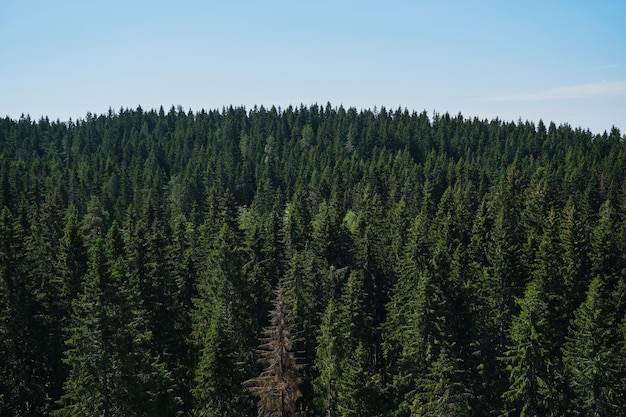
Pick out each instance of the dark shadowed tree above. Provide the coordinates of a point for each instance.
(111, 369)
(22, 384)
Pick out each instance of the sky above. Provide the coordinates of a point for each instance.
(560, 61)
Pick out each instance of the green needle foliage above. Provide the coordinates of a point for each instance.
(434, 264)
(112, 371)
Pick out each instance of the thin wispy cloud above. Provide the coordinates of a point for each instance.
(593, 90)
(610, 66)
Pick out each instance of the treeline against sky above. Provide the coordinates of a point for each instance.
(427, 265)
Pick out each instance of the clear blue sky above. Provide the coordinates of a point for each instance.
(561, 61)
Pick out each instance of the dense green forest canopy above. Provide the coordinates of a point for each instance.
(360, 263)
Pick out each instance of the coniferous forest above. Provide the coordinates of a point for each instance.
(311, 261)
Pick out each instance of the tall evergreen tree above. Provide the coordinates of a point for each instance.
(112, 369)
(263, 258)
(222, 280)
(574, 266)
(357, 394)
(359, 384)
(607, 261)
(330, 237)
(408, 319)
(298, 222)
(183, 266)
(504, 266)
(222, 283)
(528, 356)
(278, 386)
(41, 246)
(489, 380)
(443, 391)
(71, 260)
(306, 290)
(592, 363)
(217, 381)
(328, 353)
(22, 373)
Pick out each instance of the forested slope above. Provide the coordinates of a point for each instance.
(425, 265)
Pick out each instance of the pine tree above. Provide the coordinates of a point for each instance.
(278, 386)
(535, 212)
(347, 384)
(359, 381)
(607, 260)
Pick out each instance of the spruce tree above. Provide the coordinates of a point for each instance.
(278, 385)
(592, 362)
(22, 377)
(298, 222)
(71, 260)
(263, 258)
(529, 362)
(222, 282)
(217, 380)
(112, 369)
(328, 353)
(304, 285)
(574, 266)
(489, 380)
(47, 325)
(408, 325)
(359, 390)
(183, 265)
(442, 390)
(356, 395)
